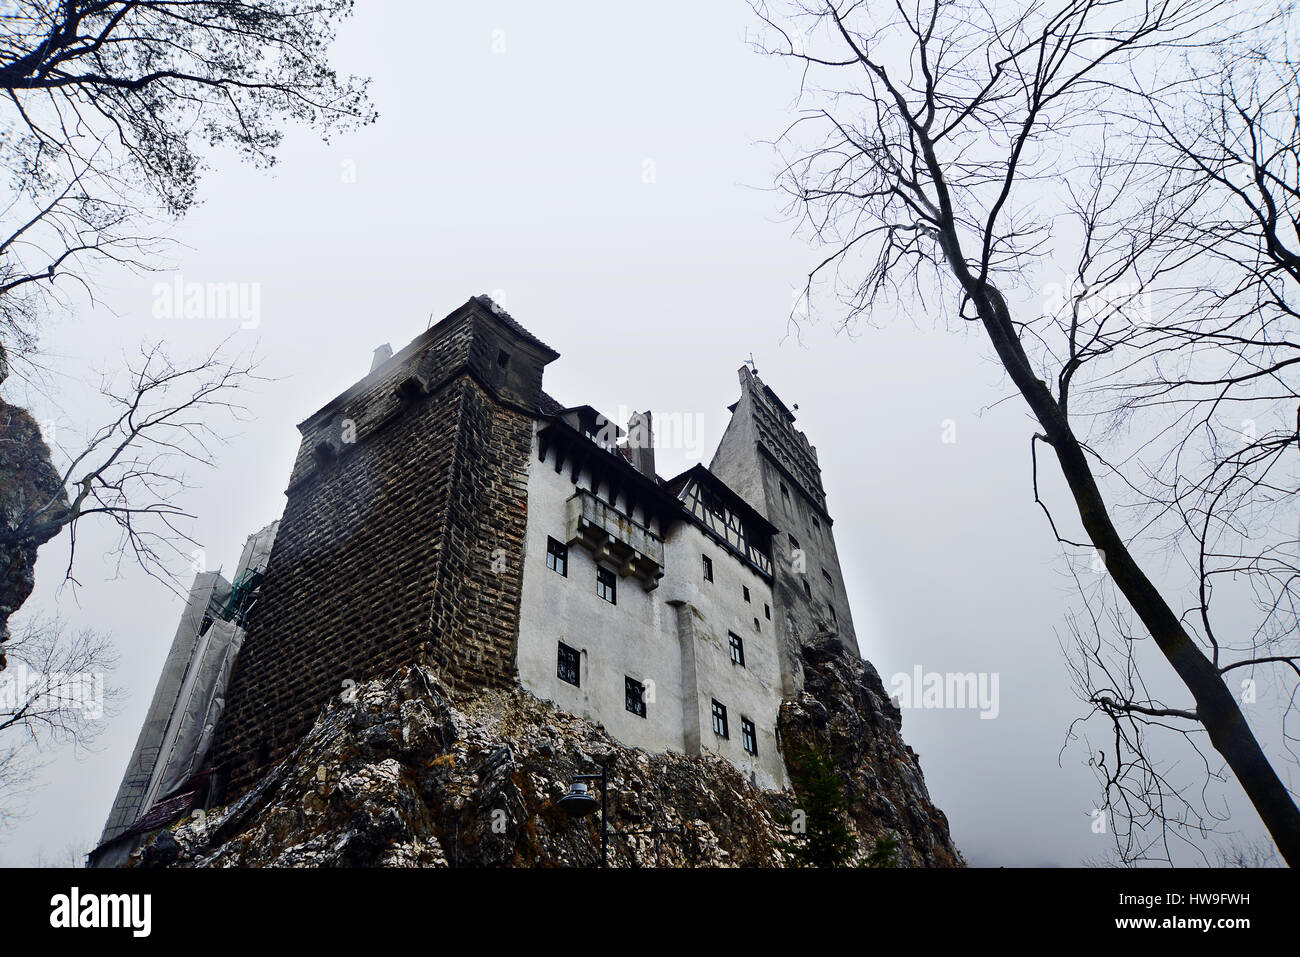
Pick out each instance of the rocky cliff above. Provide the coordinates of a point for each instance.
(401, 772)
(28, 483)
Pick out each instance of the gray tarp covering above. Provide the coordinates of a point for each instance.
(190, 694)
(257, 549)
(198, 708)
(133, 797)
(203, 693)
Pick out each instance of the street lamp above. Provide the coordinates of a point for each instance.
(580, 802)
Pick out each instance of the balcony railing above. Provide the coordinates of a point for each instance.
(614, 538)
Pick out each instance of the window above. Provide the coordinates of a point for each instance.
(746, 589)
(785, 498)
(827, 575)
(757, 626)
(503, 358)
(557, 557)
(635, 696)
(747, 736)
(767, 611)
(720, 719)
(834, 617)
(817, 526)
(737, 648)
(807, 589)
(798, 559)
(607, 585)
(567, 664)
(708, 568)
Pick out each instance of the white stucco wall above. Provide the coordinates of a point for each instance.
(643, 636)
(718, 607)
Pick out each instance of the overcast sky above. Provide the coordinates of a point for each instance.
(598, 168)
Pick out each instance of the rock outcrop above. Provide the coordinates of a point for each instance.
(29, 483)
(402, 772)
(845, 711)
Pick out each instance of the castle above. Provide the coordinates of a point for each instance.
(446, 511)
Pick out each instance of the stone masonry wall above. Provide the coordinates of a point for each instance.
(474, 617)
(406, 546)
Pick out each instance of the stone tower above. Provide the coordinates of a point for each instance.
(402, 534)
(770, 462)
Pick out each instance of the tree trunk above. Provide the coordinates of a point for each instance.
(1216, 708)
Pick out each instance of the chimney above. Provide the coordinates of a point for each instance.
(382, 355)
(641, 443)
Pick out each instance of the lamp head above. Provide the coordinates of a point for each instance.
(579, 802)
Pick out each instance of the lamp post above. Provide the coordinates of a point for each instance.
(579, 802)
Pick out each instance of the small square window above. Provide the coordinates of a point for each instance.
(634, 696)
(794, 543)
(708, 568)
(767, 611)
(747, 736)
(720, 719)
(568, 665)
(807, 589)
(737, 648)
(503, 358)
(557, 557)
(746, 589)
(827, 575)
(607, 585)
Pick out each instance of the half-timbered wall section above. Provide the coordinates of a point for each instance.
(726, 517)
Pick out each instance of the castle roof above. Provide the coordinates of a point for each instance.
(484, 305)
(510, 323)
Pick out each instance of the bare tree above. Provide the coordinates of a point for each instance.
(72, 855)
(55, 693)
(106, 105)
(107, 109)
(132, 470)
(1251, 854)
(971, 148)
